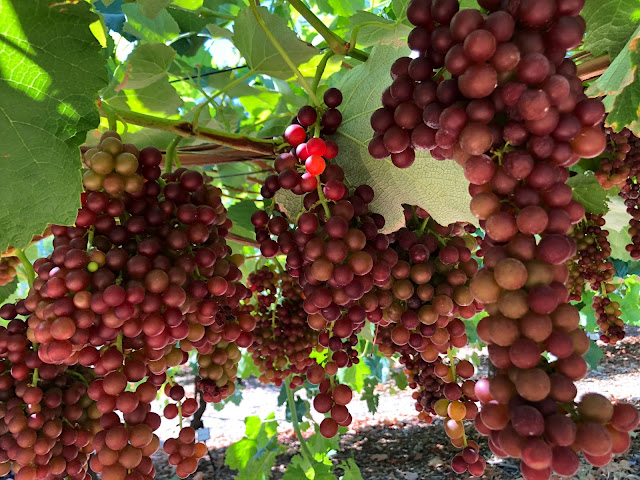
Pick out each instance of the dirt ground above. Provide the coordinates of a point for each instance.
(394, 445)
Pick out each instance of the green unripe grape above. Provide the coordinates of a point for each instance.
(126, 164)
(108, 134)
(92, 267)
(102, 163)
(88, 155)
(92, 181)
(111, 145)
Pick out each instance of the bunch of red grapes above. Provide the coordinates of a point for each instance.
(333, 247)
(592, 266)
(620, 160)
(282, 340)
(513, 113)
(142, 278)
(47, 420)
(430, 288)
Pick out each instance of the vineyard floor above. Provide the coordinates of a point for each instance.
(393, 445)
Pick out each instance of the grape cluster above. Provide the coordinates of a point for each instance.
(283, 339)
(592, 265)
(8, 267)
(298, 169)
(333, 399)
(514, 114)
(142, 278)
(630, 192)
(184, 452)
(115, 168)
(333, 247)
(620, 160)
(47, 419)
(430, 288)
(510, 62)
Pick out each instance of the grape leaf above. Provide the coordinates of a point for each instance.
(163, 28)
(400, 9)
(354, 376)
(254, 45)
(624, 108)
(188, 4)
(257, 436)
(147, 64)
(7, 290)
(619, 74)
(351, 470)
(290, 203)
(52, 70)
(618, 241)
(217, 31)
(438, 187)
(617, 223)
(629, 302)
(346, 8)
(151, 8)
(373, 29)
(609, 25)
(240, 214)
(589, 192)
(617, 217)
(369, 395)
(593, 355)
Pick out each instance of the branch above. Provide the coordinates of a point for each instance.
(186, 129)
(335, 42)
(247, 242)
(209, 154)
(593, 68)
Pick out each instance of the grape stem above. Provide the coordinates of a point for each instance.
(320, 70)
(296, 426)
(303, 81)
(187, 130)
(180, 414)
(423, 227)
(119, 341)
(337, 44)
(36, 377)
(28, 267)
(171, 156)
(322, 198)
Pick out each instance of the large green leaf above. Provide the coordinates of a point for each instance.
(163, 28)
(620, 73)
(438, 187)
(617, 224)
(9, 289)
(147, 64)
(609, 25)
(351, 470)
(257, 436)
(354, 376)
(589, 192)
(257, 49)
(372, 29)
(240, 214)
(51, 71)
(593, 355)
(151, 8)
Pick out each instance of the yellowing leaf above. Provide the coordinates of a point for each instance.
(438, 187)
